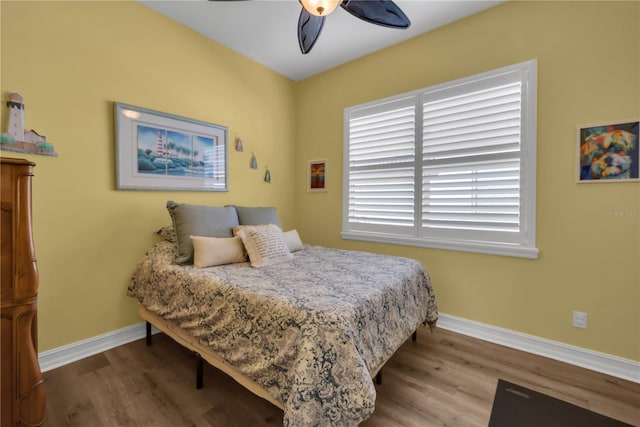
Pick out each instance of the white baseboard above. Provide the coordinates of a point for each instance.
(66, 354)
(599, 362)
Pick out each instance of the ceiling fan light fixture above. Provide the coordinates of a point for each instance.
(319, 7)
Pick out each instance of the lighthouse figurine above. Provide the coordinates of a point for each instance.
(18, 140)
(16, 116)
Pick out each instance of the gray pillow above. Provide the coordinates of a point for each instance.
(257, 216)
(196, 220)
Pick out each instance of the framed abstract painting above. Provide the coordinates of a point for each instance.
(608, 152)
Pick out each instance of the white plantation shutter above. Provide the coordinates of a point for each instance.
(451, 166)
(471, 161)
(381, 173)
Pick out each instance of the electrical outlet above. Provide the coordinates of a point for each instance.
(580, 319)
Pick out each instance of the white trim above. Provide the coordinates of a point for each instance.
(452, 245)
(69, 353)
(600, 362)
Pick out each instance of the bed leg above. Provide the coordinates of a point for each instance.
(148, 333)
(199, 365)
(379, 377)
(414, 337)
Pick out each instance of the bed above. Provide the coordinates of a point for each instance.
(307, 334)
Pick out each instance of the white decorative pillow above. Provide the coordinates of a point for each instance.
(212, 251)
(265, 245)
(292, 238)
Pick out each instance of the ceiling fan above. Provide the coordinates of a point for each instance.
(312, 16)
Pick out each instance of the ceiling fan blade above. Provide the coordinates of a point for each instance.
(309, 29)
(379, 12)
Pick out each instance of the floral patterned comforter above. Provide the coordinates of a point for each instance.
(311, 331)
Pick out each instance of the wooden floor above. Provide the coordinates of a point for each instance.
(443, 379)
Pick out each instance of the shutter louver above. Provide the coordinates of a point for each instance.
(471, 161)
(382, 196)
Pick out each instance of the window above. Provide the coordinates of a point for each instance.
(450, 166)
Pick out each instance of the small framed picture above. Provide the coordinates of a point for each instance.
(317, 175)
(608, 152)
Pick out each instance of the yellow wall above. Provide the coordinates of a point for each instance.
(588, 72)
(71, 61)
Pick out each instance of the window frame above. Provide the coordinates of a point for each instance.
(526, 247)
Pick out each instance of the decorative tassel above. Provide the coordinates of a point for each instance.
(239, 146)
(267, 176)
(254, 162)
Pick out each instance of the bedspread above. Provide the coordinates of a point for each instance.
(310, 331)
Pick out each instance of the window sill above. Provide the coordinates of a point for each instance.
(462, 246)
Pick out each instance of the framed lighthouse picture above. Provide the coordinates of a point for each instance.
(160, 151)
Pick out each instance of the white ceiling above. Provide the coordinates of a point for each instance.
(266, 30)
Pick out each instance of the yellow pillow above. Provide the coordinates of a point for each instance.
(212, 251)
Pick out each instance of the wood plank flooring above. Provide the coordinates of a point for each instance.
(443, 379)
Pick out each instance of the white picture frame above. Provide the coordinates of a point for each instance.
(317, 175)
(160, 151)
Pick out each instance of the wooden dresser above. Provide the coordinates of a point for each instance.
(22, 400)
